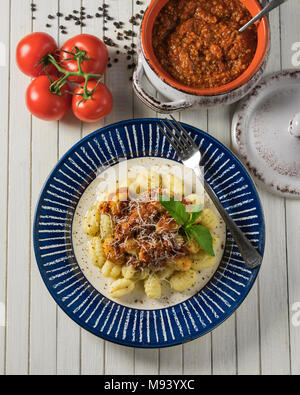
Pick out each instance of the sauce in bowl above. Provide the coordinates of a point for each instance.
(197, 41)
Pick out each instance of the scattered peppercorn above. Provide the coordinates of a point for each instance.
(80, 15)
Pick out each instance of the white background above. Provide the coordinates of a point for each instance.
(39, 338)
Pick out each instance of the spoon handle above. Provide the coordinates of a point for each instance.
(273, 4)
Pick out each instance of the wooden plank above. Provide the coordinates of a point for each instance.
(247, 333)
(197, 356)
(4, 136)
(290, 32)
(273, 277)
(293, 253)
(248, 324)
(44, 157)
(117, 79)
(223, 352)
(273, 291)
(92, 347)
(68, 332)
(146, 361)
(170, 360)
(224, 348)
(19, 230)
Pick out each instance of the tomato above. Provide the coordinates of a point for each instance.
(94, 49)
(44, 104)
(31, 50)
(95, 108)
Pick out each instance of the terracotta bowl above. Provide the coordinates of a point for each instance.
(183, 96)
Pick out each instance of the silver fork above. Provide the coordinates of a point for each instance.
(190, 156)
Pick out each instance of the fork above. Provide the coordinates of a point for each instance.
(190, 156)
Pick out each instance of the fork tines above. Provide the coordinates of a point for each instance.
(177, 136)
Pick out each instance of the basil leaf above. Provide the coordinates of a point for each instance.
(193, 217)
(203, 237)
(175, 208)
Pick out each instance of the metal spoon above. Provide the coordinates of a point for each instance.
(273, 4)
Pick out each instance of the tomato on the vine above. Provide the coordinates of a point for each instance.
(94, 55)
(45, 104)
(94, 108)
(31, 50)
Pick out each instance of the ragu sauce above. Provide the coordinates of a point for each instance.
(197, 41)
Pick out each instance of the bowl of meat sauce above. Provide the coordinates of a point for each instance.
(193, 53)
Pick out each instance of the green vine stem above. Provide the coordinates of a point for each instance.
(80, 56)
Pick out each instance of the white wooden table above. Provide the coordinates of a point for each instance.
(262, 337)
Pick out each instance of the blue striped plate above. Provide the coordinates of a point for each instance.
(104, 317)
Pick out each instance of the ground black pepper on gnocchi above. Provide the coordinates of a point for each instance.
(132, 238)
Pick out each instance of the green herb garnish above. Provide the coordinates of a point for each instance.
(187, 221)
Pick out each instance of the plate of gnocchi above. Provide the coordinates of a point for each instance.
(131, 247)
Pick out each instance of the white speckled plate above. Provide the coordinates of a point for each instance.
(261, 136)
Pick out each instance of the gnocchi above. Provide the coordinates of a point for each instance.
(138, 244)
(91, 223)
(208, 218)
(153, 287)
(121, 287)
(181, 281)
(202, 261)
(96, 252)
(105, 226)
(110, 269)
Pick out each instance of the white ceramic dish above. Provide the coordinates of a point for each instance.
(261, 133)
(179, 97)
